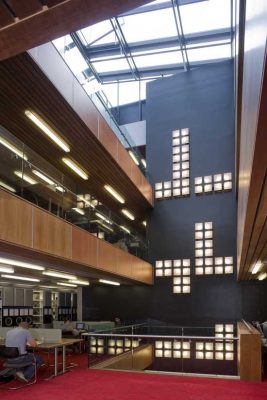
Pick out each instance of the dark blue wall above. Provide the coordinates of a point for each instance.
(203, 101)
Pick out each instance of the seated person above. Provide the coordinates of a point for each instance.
(20, 337)
(67, 328)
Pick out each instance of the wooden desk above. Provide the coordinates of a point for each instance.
(63, 343)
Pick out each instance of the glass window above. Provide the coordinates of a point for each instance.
(111, 65)
(149, 25)
(209, 53)
(97, 33)
(205, 16)
(167, 58)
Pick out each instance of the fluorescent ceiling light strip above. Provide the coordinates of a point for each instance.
(60, 189)
(66, 284)
(72, 165)
(80, 282)
(262, 276)
(143, 161)
(125, 229)
(37, 120)
(115, 194)
(59, 275)
(109, 282)
(12, 148)
(43, 177)
(21, 264)
(25, 177)
(128, 214)
(78, 210)
(256, 267)
(105, 226)
(7, 270)
(134, 157)
(20, 278)
(6, 186)
(104, 218)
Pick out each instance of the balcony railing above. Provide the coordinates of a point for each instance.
(192, 350)
(24, 173)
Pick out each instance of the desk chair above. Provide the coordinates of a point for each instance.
(12, 357)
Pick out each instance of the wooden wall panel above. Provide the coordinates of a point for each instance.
(124, 160)
(136, 176)
(253, 139)
(147, 273)
(124, 263)
(106, 257)
(51, 235)
(24, 224)
(249, 353)
(15, 220)
(108, 138)
(147, 190)
(84, 247)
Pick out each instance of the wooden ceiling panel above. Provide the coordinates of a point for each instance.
(56, 19)
(24, 86)
(6, 17)
(23, 9)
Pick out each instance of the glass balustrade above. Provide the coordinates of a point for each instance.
(142, 347)
(24, 173)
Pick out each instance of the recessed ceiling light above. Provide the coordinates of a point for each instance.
(144, 223)
(78, 210)
(114, 193)
(128, 214)
(25, 177)
(66, 284)
(21, 264)
(256, 267)
(60, 189)
(72, 165)
(109, 282)
(7, 270)
(12, 148)
(134, 157)
(20, 278)
(43, 177)
(37, 120)
(59, 275)
(143, 161)
(262, 276)
(104, 218)
(8, 187)
(105, 226)
(125, 229)
(80, 282)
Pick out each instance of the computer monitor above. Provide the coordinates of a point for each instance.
(80, 325)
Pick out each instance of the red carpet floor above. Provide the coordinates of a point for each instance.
(85, 384)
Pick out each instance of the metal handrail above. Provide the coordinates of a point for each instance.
(247, 325)
(159, 336)
(122, 327)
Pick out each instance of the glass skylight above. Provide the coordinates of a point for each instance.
(147, 43)
(206, 16)
(151, 25)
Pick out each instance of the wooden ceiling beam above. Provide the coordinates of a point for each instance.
(56, 21)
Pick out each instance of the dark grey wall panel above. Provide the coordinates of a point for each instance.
(203, 101)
